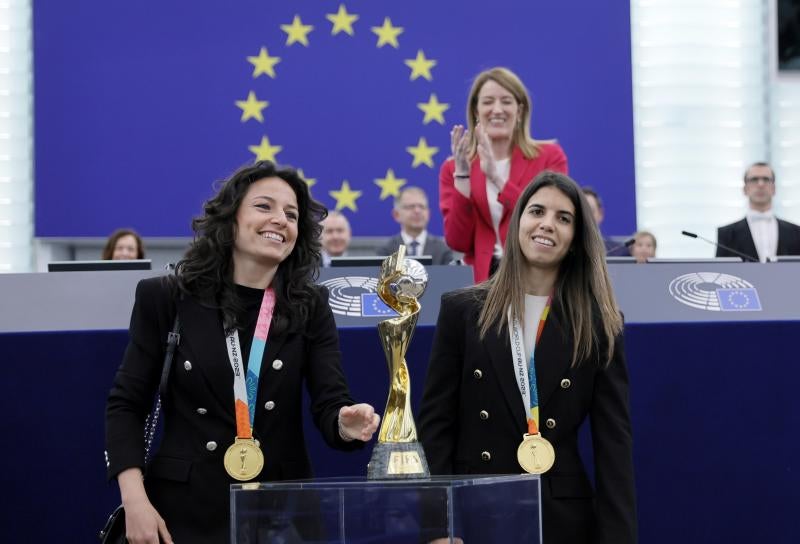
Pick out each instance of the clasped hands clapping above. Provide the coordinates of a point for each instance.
(459, 146)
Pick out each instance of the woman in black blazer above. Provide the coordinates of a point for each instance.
(245, 285)
(475, 410)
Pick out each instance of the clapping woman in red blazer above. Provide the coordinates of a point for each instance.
(493, 160)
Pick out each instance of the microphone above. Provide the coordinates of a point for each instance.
(626, 244)
(744, 256)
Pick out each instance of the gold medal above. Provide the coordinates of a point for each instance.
(244, 459)
(535, 454)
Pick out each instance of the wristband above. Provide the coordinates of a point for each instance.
(342, 434)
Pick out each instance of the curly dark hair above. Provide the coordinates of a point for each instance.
(206, 271)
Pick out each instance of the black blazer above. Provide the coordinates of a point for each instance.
(737, 236)
(467, 376)
(434, 246)
(186, 480)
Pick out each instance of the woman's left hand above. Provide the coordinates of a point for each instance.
(358, 422)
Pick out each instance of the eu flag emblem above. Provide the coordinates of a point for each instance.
(373, 306)
(739, 300)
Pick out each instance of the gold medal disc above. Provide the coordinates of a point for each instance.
(244, 459)
(535, 454)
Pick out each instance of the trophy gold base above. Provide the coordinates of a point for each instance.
(397, 461)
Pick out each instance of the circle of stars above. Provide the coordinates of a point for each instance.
(343, 23)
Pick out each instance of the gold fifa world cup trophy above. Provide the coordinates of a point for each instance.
(398, 454)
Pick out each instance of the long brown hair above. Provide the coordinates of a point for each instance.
(583, 288)
(522, 131)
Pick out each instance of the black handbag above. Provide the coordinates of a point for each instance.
(113, 532)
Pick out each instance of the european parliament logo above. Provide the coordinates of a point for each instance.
(715, 292)
(356, 296)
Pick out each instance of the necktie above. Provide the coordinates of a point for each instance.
(413, 247)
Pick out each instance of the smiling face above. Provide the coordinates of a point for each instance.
(125, 248)
(497, 111)
(266, 225)
(546, 228)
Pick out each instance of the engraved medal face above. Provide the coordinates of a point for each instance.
(536, 454)
(244, 459)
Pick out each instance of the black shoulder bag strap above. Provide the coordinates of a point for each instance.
(173, 339)
(114, 530)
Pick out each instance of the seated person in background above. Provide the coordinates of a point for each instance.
(760, 235)
(335, 237)
(644, 247)
(123, 244)
(613, 248)
(412, 212)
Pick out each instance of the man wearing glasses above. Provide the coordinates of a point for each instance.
(760, 235)
(412, 212)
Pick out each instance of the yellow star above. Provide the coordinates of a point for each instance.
(252, 107)
(297, 31)
(309, 181)
(263, 63)
(345, 197)
(265, 151)
(342, 21)
(387, 33)
(390, 185)
(422, 153)
(420, 66)
(433, 110)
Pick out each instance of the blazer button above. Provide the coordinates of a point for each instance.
(486, 456)
(269, 405)
(477, 374)
(277, 364)
(202, 411)
(211, 445)
(566, 383)
(550, 423)
(484, 415)
(187, 366)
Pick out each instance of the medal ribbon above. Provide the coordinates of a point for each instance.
(245, 389)
(527, 376)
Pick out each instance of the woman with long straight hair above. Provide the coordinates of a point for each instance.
(523, 358)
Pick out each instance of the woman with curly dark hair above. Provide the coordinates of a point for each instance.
(248, 275)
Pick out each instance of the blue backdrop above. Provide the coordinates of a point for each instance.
(137, 116)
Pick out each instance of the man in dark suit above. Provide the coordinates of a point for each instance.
(760, 235)
(412, 212)
(613, 247)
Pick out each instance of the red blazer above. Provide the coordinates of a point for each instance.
(468, 222)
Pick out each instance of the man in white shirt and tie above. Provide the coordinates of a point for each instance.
(412, 212)
(760, 235)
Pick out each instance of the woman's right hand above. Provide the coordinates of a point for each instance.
(459, 146)
(143, 524)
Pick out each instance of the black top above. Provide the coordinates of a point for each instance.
(251, 300)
